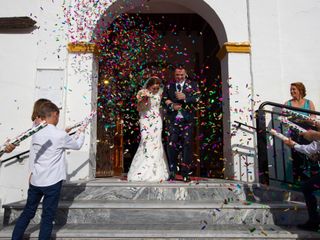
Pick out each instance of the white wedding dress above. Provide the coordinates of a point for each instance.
(150, 163)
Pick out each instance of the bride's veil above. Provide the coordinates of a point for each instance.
(149, 79)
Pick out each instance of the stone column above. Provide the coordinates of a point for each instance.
(81, 99)
(237, 87)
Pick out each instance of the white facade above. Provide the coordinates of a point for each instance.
(282, 34)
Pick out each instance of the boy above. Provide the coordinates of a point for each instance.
(48, 170)
(313, 184)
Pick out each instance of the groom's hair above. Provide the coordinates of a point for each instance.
(152, 81)
(181, 67)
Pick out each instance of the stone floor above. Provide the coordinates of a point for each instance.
(112, 208)
(182, 231)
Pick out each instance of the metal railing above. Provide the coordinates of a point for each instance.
(15, 157)
(274, 158)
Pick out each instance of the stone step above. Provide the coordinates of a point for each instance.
(202, 230)
(211, 189)
(168, 212)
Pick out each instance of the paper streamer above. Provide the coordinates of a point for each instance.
(88, 119)
(278, 135)
(301, 116)
(23, 136)
(85, 122)
(291, 125)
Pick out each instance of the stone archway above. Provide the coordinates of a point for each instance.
(136, 45)
(208, 148)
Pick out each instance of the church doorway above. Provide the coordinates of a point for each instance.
(136, 46)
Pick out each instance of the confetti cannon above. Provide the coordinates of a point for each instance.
(298, 115)
(21, 137)
(291, 125)
(83, 123)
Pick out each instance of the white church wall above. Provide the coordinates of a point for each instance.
(300, 49)
(18, 56)
(28, 57)
(17, 74)
(265, 46)
(233, 16)
(284, 48)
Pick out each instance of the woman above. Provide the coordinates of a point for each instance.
(149, 163)
(300, 162)
(298, 92)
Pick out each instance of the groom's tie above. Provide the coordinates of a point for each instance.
(179, 87)
(179, 115)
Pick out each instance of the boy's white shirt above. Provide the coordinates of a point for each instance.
(47, 155)
(308, 149)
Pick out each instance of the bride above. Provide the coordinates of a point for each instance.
(149, 163)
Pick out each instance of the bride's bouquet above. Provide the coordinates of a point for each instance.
(143, 94)
(143, 97)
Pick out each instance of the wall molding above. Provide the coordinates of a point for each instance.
(234, 47)
(82, 47)
(228, 47)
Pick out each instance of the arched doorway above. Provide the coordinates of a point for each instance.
(170, 38)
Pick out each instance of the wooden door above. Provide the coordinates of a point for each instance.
(118, 148)
(109, 161)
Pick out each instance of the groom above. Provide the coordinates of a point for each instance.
(180, 99)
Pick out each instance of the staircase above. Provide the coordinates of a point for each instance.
(205, 209)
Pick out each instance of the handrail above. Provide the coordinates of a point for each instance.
(263, 160)
(262, 105)
(14, 157)
(22, 153)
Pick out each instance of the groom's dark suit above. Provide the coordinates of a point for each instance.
(180, 125)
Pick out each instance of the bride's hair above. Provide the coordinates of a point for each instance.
(152, 81)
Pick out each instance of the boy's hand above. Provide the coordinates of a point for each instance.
(82, 129)
(9, 147)
(290, 143)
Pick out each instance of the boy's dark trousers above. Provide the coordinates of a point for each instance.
(51, 195)
(308, 189)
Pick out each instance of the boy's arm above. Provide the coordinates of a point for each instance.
(309, 149)
(311, 135)
(31, 158)
(74, 143)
